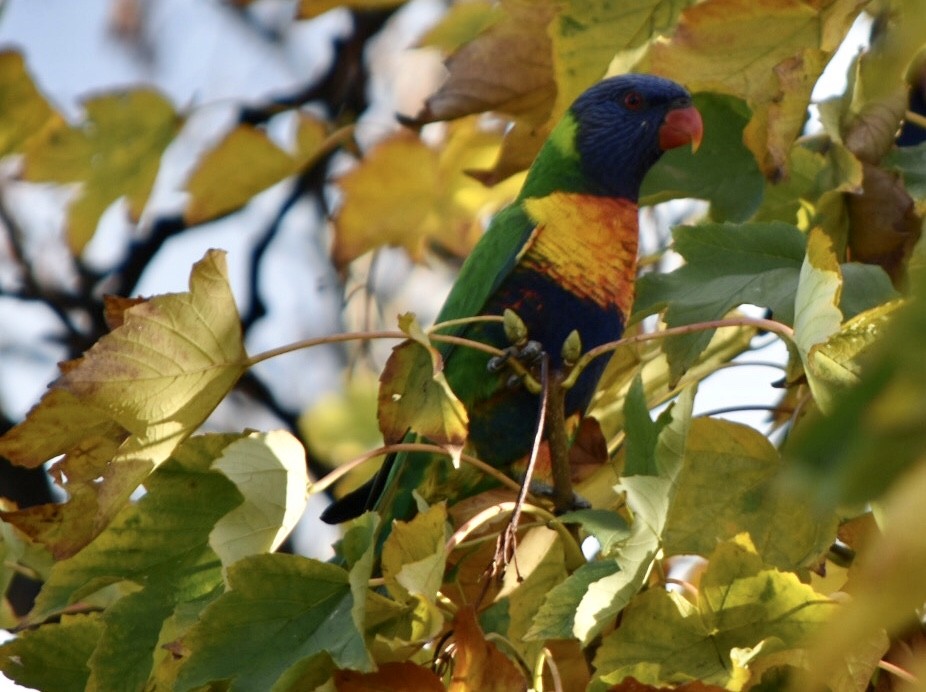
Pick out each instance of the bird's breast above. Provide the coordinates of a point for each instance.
(586, 244)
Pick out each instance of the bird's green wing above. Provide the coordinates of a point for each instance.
(491, 261)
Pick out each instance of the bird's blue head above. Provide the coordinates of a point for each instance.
(624, 124)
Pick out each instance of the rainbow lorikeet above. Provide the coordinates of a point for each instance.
(563, 257)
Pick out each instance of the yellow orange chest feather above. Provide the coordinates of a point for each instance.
(587, 244)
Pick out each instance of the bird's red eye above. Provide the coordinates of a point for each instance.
(633, 100)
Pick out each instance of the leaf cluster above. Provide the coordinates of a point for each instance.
(718, 553)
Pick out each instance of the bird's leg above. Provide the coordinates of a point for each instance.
(563, 496)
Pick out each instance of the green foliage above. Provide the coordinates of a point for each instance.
(159, 568)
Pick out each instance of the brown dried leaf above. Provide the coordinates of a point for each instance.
(883, 224)
(507, 68)
(397, 676)
(478, 664)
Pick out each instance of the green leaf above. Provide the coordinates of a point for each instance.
(643, 433)
(159, 550)
(115, 152)
(554, 619)
(742, 605)
(874, 431)
(53, 656)
(269, 469)
(161, 539)
(723, 171)
(769, 55)
(911, 162)
(279, 610)
(25, 110)
(729, 485)
(649, 498)
(727, 265)
(816, 166)
(462, 23)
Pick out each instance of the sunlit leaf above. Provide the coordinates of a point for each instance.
(727, 486)
(115, 152)
(874, 431)
(244, 163)
(269, 470)
(406, 194)
(555, 617)
(123, 407)
(816, 310)
(742, 604)
(414, 556)
(158, 550)
(25, 110)
(649, 485)
(145, 542)
(291, 608)
(541, 567)
(168, 366)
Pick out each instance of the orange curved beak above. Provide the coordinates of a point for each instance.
(681, 126)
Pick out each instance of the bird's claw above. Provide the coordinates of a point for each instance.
(529, 354)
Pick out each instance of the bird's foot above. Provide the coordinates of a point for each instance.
(527, 355)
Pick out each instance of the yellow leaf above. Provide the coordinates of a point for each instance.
(25, 110)
(269, 470)
(886, 582)
(462, 23)
(115, 152)
(244, 163)
(587, 34)
(405, 194)
(386, 199)
(122, 408)
(311, 136)
(166, 368)
(773, 53)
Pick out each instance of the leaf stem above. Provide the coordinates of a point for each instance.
(447, 324)
(916, 119)
(323, 484)
(782, 330)
(318, 341)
